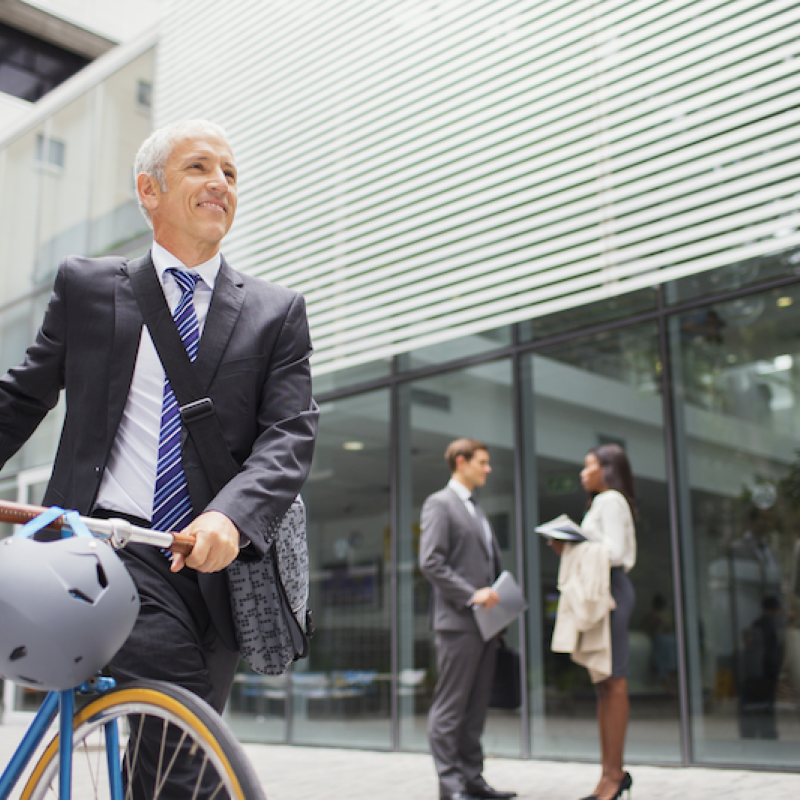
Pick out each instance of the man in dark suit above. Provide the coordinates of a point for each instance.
(460, 557)
(251, 351)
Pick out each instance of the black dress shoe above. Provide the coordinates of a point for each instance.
(457, 796)
(485, 792)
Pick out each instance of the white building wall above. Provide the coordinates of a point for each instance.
(118, 20)
(425, 169)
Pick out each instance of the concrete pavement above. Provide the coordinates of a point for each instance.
(310, 773)
(303, 773)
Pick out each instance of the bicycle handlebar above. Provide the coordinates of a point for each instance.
(116, 531)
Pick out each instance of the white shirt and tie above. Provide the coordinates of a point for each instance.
(466, 497)
(130, 474)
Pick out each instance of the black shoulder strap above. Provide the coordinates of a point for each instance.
(197, 411)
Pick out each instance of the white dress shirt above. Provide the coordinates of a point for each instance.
(466, 496)
(130, 475)
(609, 520)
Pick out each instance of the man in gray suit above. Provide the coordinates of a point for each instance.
(460, 557)
(124, 451)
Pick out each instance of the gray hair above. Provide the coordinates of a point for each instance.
(157, 147)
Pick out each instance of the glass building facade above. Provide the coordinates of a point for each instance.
(702, 387)
(446, 274)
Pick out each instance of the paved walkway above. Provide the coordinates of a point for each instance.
(302, 773)
(306, 773)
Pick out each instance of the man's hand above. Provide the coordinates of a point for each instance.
(216, 544)
(486, 597)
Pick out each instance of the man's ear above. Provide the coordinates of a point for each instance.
(149, 191)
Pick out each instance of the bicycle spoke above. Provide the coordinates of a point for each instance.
(171, 747)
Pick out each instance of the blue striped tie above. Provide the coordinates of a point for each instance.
(172, 506)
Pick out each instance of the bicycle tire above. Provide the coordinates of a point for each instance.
(172, 709)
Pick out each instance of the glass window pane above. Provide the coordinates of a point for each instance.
(476, 402)
(341, 692)
(595, 390)
(8, 491)
(353, 376)
(586, 315)
(19, 214)
(256, 709)
(737, 368)
(66, 189)
(121, 126)
(736, 276)
(455, 349)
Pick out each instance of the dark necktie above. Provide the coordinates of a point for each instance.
(479, 517)
(172, 506)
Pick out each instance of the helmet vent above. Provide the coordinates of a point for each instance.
(101, 575)
(18, 652)
(79, 595)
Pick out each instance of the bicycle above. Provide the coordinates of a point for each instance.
(98, 746)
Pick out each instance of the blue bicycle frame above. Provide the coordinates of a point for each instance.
(63, 704)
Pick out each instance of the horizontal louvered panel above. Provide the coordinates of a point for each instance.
(299, 178)
(425, 170)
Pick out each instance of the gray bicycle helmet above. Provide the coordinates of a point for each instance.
(66, 607)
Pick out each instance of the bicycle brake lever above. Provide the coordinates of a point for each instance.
(119, 533)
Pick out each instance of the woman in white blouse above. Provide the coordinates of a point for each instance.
(608, 481)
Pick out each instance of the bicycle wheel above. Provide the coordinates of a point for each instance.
(172, 745)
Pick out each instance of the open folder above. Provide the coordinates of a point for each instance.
(512, 603)
(562, 528)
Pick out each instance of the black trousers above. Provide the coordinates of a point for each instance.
(173, 640)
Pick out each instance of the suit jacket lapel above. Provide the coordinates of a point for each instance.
(474, 523)
(226, 304)
(479, 518)
(125, 345)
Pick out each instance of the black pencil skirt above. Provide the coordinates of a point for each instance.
(625, 597)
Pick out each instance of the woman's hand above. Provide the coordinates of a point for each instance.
(556, 545)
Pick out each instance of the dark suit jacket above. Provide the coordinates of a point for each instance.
(253, 361)
(454, 557)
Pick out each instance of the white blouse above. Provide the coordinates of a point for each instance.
(609, 520)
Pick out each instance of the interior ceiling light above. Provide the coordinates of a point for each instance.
(353, 445)
(784, 302)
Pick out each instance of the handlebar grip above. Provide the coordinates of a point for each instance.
(20, 513)
(182, 543)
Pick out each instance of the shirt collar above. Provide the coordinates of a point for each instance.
(163, 260)
(459, 488)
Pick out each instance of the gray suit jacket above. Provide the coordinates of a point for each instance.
(454, 557)
(253, 361)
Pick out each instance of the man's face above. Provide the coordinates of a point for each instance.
(198, 207)
(473, 472)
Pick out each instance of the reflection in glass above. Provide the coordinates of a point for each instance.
(753, 271)
(738, 374)
(597, 390)
(352, 376)
(455, 349)
(256, 710)
(341, 693)
(66, 188)
(602, 311)
(475, 402)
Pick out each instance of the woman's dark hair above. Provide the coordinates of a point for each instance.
(616, 473)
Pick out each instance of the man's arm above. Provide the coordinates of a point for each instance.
(434, 554)
(28, 392)
(280, 459)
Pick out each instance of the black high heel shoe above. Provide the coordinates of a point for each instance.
(624, 785)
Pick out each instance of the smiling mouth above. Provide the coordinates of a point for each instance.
(213, 205)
